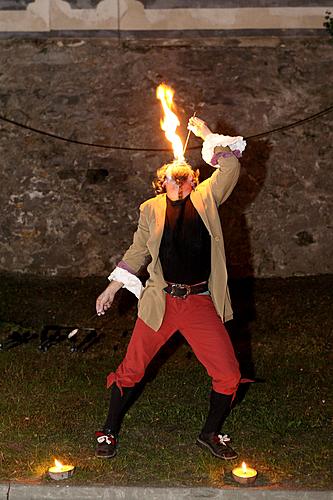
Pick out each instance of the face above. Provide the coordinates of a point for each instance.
(178, 182)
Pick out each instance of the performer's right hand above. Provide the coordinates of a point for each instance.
(104, 301)
(198, 127)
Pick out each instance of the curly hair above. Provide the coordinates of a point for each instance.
(182, 174)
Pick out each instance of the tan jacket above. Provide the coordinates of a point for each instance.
(206, 198)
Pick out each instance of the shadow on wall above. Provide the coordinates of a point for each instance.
(236, 232)
(237, 242)
(239, 252)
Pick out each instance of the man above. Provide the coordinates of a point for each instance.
(187, 287)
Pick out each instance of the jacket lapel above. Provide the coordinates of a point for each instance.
(200, 208)
(160, 211)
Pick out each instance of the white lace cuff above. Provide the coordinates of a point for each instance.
(236, 144)
(131, 282)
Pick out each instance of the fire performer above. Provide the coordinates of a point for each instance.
(187, 287)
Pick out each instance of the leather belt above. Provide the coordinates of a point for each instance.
(183, 291)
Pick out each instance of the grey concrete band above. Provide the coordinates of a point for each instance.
(62, 492)
(163, 34)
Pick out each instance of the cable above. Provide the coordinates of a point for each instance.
(127, 148)
(74, 141)
(294, 124)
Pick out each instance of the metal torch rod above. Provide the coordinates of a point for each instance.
(73, 332)
(188, 135)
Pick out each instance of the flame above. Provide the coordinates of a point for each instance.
(244, 467)
(170, 122)
(58, 464)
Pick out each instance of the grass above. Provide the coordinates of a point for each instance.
(52, 402)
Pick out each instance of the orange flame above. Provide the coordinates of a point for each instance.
(58, 464)
(244, 467)
(170, 122)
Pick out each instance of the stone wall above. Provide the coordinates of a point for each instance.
(70, 210)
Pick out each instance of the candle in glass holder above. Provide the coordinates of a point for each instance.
(244, 474)
(60, 471)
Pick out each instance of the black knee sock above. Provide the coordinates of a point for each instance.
(219, 409)
(118, 405)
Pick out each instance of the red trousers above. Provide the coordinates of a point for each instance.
(197, 320)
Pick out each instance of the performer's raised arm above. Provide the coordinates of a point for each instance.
(222, 152)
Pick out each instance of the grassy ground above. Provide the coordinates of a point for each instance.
(52, 402)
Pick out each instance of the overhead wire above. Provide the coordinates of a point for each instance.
(145, 149)
(292, 125)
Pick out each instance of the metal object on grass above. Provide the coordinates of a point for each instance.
(15, 339)
(90, 338)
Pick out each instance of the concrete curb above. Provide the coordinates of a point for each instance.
(57, 492)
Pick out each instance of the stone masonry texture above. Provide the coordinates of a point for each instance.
(71, 210)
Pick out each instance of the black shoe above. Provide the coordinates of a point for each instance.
(218, 445)
(106, 445)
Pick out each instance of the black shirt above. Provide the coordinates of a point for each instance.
(185, 245)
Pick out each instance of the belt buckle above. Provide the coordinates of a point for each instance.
(176, 286)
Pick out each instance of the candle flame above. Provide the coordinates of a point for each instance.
(244, 467)
(58, 464)
(170, 122)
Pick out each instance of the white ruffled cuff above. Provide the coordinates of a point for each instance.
(131, 282)
(236, 144)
